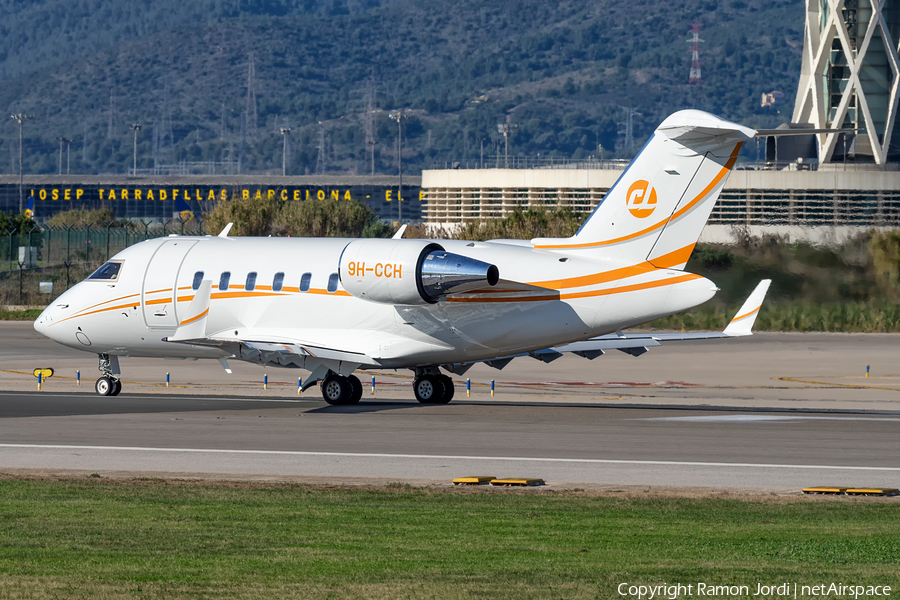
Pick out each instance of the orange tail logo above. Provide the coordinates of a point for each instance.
(640, 203)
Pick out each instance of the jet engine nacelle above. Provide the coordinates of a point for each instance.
(410, 271)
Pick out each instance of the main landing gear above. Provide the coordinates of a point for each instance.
(433, 387)
(108, 384)
(337, 389)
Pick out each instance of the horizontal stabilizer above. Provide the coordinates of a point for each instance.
(703, 132)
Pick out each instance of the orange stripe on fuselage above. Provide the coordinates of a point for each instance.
(590, 294)
(135, 305)
(217, 296)
(105, 302)
(674, 258)
(160, 301)
(596, 278)
(731, 160)
(665, 261)
(225, 295)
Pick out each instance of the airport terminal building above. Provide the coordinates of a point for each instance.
(827, 205)
(821, 187)
(152, 199)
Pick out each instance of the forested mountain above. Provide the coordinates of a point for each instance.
(87, 69)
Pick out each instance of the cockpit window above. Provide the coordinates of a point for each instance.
(108, 272)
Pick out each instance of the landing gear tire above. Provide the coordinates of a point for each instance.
(117, 387)
(105, 386)
(429, 389)
(337, 390)
(357, 386)
(449, 389)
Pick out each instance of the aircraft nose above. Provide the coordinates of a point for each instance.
(40, 324)
(43, 322)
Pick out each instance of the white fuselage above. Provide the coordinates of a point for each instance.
(544, 298)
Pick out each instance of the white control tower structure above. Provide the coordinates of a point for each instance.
(850, 79)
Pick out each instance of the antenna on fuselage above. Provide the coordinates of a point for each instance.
(226, 230)
(400, 232)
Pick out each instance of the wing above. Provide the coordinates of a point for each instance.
(637, 344)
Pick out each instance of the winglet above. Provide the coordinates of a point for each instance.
(742, 323)
(193, 326)
(226, 230)
(400, 232)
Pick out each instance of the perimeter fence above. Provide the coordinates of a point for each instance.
(64, 255)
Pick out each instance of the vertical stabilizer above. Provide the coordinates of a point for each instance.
(657, 209)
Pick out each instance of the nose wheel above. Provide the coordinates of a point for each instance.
(108, 384)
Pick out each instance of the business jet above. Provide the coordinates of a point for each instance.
(333, 306)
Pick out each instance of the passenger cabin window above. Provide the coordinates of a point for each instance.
(108, 272)
(304, 282)
(224, 280)
(332, 283)
(250, 285)
(198, 277)
(278, 282)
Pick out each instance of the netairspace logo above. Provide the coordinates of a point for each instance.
(786, 590)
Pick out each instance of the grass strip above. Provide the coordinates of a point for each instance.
(20, 315)
(155, 539)
(844, 317)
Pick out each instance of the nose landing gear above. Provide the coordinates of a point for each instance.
(108, 384)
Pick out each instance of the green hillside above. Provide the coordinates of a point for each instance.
(561, 72)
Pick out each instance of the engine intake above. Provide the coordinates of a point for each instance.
(409, 271)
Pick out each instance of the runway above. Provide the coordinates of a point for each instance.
(773, 411)
(402, 441)
(768, 370)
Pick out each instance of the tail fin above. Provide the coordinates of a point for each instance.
(660, 204)
(29, 208)
(184, 209)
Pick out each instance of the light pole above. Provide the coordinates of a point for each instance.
(21, 118)
(68, 141)
(62, 141)
(135, 127)
(505, 128)
(398, 116)
(285, 132)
